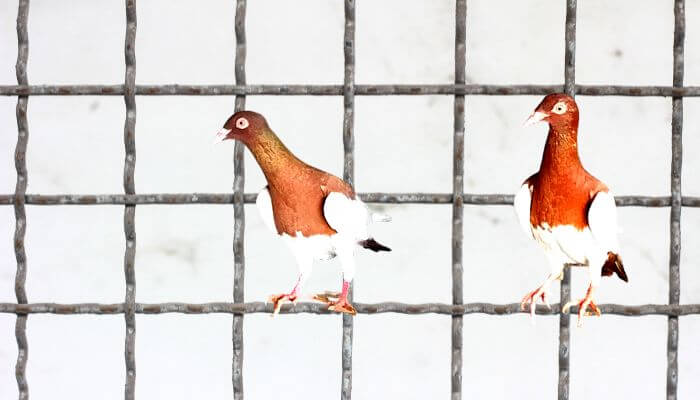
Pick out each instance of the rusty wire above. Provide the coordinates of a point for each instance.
(130, 209)
(249, 198)
(459, 89)
(565, 291)
(674, 278)
(338, 90)
(349, 177)
(457, 333)
(316, 308)
(19, 201)
(238, 210)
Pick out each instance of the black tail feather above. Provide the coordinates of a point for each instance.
(373, 245)
(614, 264)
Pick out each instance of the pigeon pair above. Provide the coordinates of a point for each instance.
(566, 210)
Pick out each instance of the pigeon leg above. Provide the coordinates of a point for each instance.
(587, 301)
(278, 300)
(583, 305)
(339, 301)
(541, 292)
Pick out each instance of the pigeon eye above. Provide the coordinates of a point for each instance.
(242, 123)
(559, 108)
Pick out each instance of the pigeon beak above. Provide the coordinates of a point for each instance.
(535, 118)
(221, 135)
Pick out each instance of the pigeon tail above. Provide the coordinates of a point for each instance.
(379, 217)
(614, 264)
(373, 245)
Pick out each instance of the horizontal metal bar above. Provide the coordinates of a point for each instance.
(338, 90)
(318, 308)
(378, 198)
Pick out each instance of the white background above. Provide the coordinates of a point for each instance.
(75, 253)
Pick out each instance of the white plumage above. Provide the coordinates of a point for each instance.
(349, 218)
(573, 217)
(567, 245)
(602, 220)
(522, 202)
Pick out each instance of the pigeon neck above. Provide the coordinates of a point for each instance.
(561, 150)
(274, 158)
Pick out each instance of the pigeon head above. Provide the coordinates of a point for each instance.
(558, 109)
(243, 126)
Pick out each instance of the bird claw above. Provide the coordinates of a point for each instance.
(584, 305)
(343, 306)
(545, 301)
(531, 300)
(567, 306)
(336, 302)
(279, 299)
(327, 297)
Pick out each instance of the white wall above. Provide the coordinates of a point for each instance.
(75, 254)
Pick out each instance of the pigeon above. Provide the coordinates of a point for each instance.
(566, 210)
(316, 214)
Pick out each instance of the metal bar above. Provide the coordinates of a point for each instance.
(348, 90)
(318, 308)
(565, 295)
(348, 176)
(249, 198)
(130, 209)
(338, 90)
(674, 278)
(457, 334)
(19, 199)
(239, 210)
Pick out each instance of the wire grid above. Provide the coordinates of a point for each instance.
(348, 90)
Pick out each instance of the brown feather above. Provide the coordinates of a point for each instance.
(562, 190)
(614, 264)
(297, 190)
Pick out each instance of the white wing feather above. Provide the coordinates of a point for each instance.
(348, 217)
(264, 205)
(521, 203)
(602, 221)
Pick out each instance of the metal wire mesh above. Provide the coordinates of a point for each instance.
(238, 308)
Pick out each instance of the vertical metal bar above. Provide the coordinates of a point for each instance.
(239, 210)
(674, 280)
(348, 175)
(458, 197)
(20, 191)
(570, 49)
(565, 295)
(129, 188)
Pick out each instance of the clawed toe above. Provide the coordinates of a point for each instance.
(336, 302)
(586, 308)
(343, 307)
(594, 309)
(279, 299)
(327, 297)
(530, 300)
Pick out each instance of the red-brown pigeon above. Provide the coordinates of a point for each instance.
(315, 213)
(566, 210)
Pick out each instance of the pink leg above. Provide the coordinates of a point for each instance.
(279, 299)
(583, 305)
(341, 304)
(541, 292)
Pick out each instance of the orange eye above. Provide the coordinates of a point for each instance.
(242, 123)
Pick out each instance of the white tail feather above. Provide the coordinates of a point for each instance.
(379, 217)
